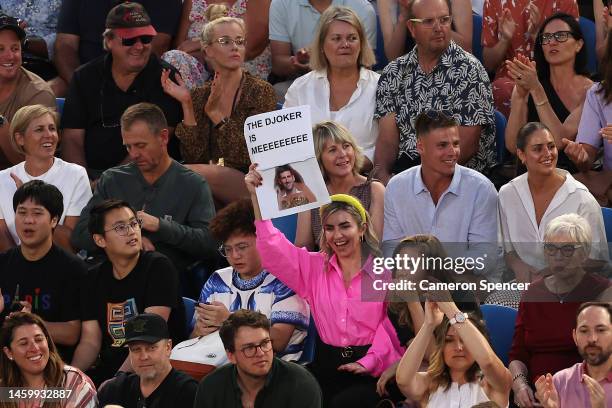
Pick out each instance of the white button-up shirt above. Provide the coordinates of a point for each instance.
(520, 230)
(357, 115)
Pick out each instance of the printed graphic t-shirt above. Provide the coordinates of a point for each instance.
(112, 301)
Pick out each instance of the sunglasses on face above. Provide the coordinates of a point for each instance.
(559, 36)
(144, 39)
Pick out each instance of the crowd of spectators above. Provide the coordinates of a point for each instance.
(134, 260)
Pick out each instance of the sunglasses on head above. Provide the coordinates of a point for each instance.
(144, 39)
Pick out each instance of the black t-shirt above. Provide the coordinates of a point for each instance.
(95, 103)
(110, 301)
(177, 390)
(86, 18)
(50, 284)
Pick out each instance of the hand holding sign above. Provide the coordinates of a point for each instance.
(288, 175)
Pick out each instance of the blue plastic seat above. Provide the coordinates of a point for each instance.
(588, 31)
(476, 34)
(607, 217)
(379, 52)
(189, 311)
(60, 105)
(500, 325)
(500, 138)
(287, 225)
(310, 343)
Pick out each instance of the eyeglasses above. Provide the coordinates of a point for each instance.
(251, 351)
(559, 36)
(239, 42)
(566, 250)
(239, 249)
(124, 229)
(144, 39)
(430, 22)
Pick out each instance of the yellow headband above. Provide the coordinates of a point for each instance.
(350, 200)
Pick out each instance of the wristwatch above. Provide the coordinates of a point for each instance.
(460, 317)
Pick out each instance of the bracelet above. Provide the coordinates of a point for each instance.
(544, 102)
(519, 375)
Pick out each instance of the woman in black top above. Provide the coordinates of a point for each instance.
(552, 89)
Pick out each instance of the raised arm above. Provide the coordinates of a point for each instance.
(394, 31)
(497, 36)
(303, 234)
(410, 381)
(495, 373)
(292, 265)
(257, 20)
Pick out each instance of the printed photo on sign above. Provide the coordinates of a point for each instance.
(281, 143)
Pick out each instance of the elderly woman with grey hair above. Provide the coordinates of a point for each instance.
(542, 337)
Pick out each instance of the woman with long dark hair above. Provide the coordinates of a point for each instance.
(29, 359)
(552, 88)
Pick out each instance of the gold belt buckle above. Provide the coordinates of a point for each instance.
(347, 352)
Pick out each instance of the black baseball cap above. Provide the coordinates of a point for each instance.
(11, 23)
(147, 327)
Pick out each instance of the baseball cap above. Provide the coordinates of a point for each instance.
(147, 327)
(129, 20)
(11, 23)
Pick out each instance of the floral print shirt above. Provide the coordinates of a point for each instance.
(458, 86)
(40, 15)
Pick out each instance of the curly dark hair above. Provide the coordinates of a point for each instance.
(238, 217)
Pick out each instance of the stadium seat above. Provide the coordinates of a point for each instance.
(60, 105)
(500, 325)
(500, 132)
(189, 310)
(379, 52)
(607, 217)
(476, 34)
(588, 31)
(287, 225)
(310, 343)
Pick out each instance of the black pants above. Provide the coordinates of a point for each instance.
(341, 389)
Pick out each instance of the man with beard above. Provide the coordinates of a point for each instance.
(290, 188)
(154, 382)
(587, 384)
(255, 378)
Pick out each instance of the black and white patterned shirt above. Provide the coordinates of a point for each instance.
(458, 85)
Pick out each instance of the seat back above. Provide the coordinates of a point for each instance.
(287, 225)
(588, 31)
(59, 102)
(476, 36)
(607, 217)
(310, 343)
(500, 325)
(500, 136)
(189, 311)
